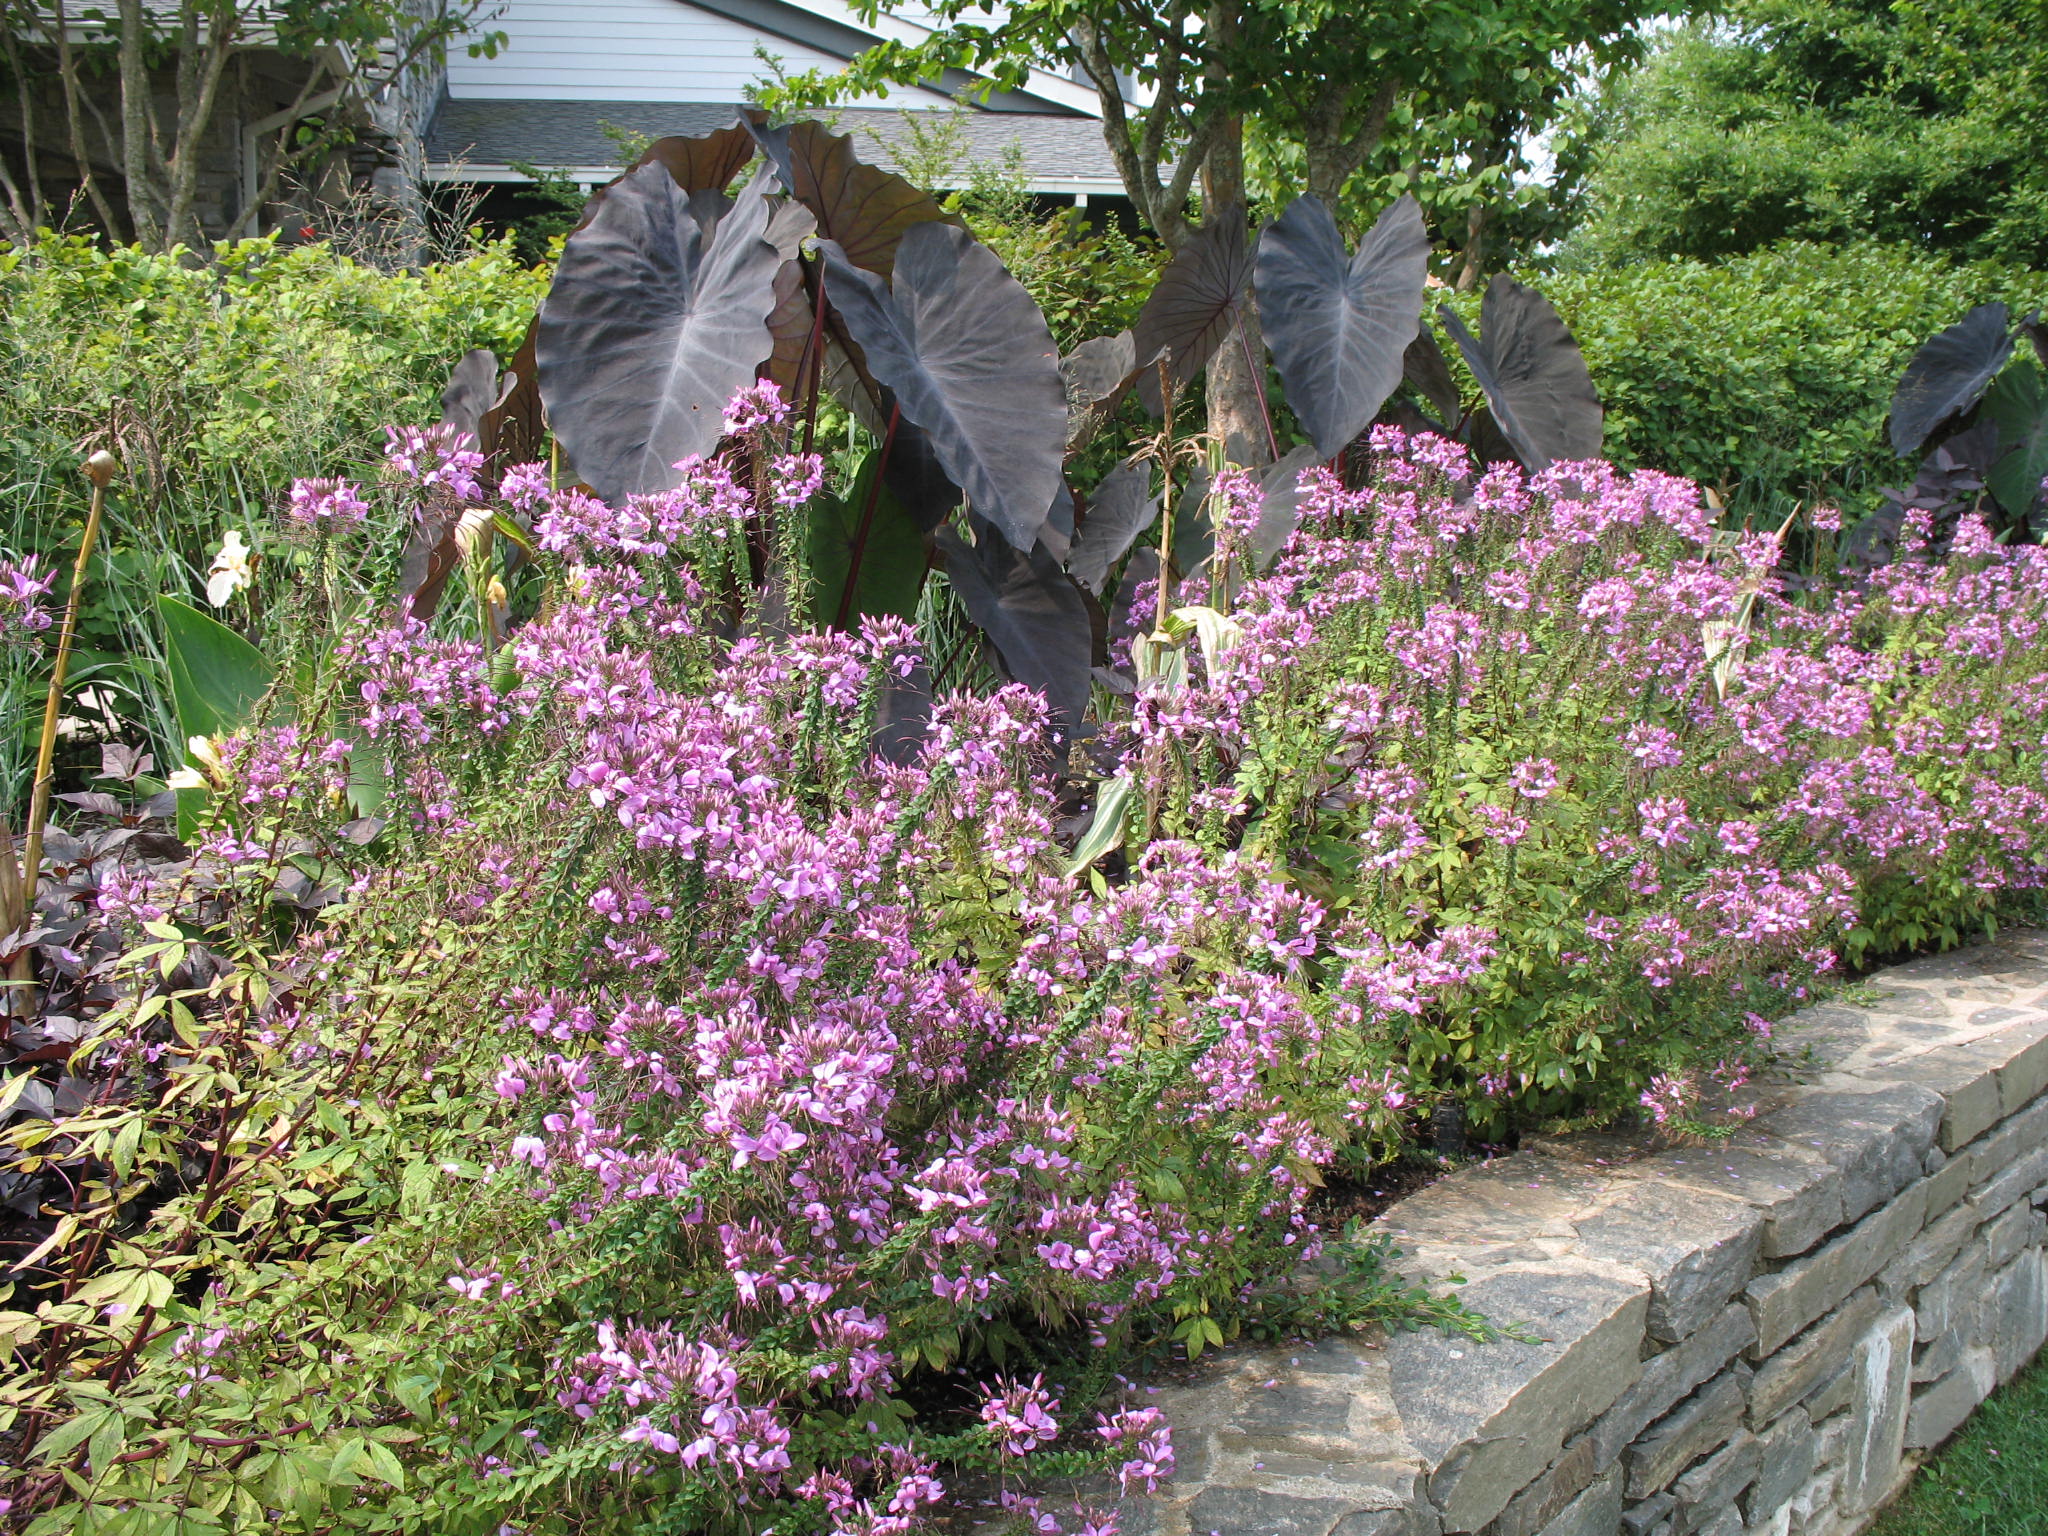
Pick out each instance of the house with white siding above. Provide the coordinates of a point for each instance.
(573, 77)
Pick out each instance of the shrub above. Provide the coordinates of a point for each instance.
(682, 1101)
(216, 385)
(1768, 376)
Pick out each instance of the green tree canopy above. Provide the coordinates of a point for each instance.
(1918, 121)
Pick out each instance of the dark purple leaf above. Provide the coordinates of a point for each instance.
(1033, 614)
(1338, 323)
(1124, 505)
(1533, 374)
(967, 355)
(125, 763)
(904, 717)
(1280, 502)
(1949, 375)
(99, 804)
(1428, 372)
(863, 208)
(657, 316)
(916, 478)
(471, 390)
(1195, 303)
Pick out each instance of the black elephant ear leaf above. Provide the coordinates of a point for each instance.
(1280, 502)
(864, 208)
(658, 314)
(1533, 373)
(1949, 375)
(1124, 505)
(1032, 613)
(1195, 302)
(472, 389)
(1428, 372)
(1100, 368)
(705, 163)
(966, 354)
(1057, 533)
(917, 479)
(1338, 322)
(1098, 373)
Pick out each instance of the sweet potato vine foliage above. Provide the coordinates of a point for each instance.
(685, 1116)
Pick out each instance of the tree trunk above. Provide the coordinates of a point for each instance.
(138, 123)
(1475, 248)
(1237, 410)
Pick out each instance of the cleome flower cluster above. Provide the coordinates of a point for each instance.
(840, 1131)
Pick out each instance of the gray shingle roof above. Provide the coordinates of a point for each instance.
(567, 133)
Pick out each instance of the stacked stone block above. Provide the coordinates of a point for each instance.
(1756, 1338)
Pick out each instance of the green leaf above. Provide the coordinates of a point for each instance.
(217, 677)
(892, 556)
(2018, 402)
(1107, 830)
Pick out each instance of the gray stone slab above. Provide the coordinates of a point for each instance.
(1555, 1488)
(1785, 1461)
(1800, 1366)
(1669, 1376)
(1639, 1518)
(2020, 1302)
(1710, 1490)
(2010, 1140)
(1967, 1083)
(1489, 1418)
(1878, 1409)
(1697, 1248)
(1944, 1304)
(1697, 1427)
(1809, 1287)
(1259, 1512)
(1877, 1138)
(1799, 1196)
(1832, 1394)
(1928, 1254)
(2020, 1226)
(1948, 1182)
(2015, 1182)
(1940, 1407)
(1595, 1512)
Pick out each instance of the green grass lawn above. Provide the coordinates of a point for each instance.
(1992, 1478)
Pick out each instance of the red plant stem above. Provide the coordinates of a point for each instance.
(867, 521)
(814, 355)
(1259, 384)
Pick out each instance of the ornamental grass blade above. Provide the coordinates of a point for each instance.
(1533, 374)
(1124, 505)
(1031, 612)
(1339, 322)
(1949, 375)
(1113, 804)
(657, 316)
(1195, 302)
(966, 354)
(863, 208)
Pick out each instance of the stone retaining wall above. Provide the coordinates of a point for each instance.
(1757, 1337)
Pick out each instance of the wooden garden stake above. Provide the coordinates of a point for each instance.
(100, 470)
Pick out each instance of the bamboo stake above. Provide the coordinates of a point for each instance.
(100, 470)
